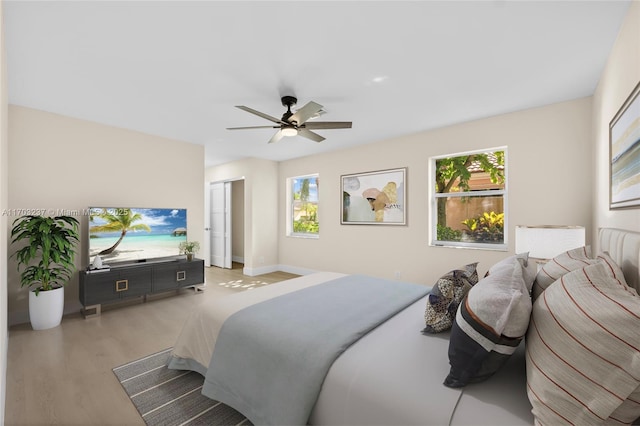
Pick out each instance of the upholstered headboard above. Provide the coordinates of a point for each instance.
(624, 247)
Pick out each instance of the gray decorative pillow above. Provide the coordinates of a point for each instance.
(446, 295)
(489, 325)
(529, 267)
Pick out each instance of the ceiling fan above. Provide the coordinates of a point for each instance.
(292, 124)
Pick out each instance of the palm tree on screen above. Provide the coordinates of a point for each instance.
(121, 220)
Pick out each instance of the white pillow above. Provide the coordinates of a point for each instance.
(529, 268)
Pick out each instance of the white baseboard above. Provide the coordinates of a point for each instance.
(252, 272)
(237, 259)
(275, 268)
(296, 270)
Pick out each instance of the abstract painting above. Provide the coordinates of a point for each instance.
(375, 198)
(624, 142)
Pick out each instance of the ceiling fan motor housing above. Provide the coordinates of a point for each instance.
(289, 101)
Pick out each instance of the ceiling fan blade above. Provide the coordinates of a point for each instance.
(310, 135)
(276, 137)
(327, 125)
(253, 127)
(305, 113)
(260, 114)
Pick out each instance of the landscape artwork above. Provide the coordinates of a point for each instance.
(374, 198)
(121, 234)
(624, 136)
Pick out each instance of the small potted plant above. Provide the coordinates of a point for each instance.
(189, 248)
(46, 263)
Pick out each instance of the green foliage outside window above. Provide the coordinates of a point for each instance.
(488, 227)
(447, 234)
(453, 175)
(305, 206)
(474, 212)
(309, 222)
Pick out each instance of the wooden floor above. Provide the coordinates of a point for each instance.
(63, 376)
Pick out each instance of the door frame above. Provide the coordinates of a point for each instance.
(228, 218)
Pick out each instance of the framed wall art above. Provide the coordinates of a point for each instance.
(374, 198)
(624, 154)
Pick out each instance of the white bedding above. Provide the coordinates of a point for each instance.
(194, 346)
(270, 359)
(393, 375)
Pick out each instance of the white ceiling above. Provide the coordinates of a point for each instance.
(176, 68)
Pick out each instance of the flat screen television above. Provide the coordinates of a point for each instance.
(129, 235)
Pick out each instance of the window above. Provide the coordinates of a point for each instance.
(469, 199)
(303, 206)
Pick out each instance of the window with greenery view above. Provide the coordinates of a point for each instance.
(469, 199)
(303, 203)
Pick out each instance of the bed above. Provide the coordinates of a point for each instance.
(386, 371)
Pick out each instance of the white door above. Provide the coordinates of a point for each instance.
(220, 224)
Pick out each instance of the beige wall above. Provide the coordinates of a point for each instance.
(58, 162)
(260, 210)
(549, 162)
(620, 76)
(557, 156)
(4, 202)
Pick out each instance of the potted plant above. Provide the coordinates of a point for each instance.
(45, 263)
(189, 248)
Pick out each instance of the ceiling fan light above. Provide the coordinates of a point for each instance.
(289, 131)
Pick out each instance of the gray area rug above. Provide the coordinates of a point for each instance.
(172, 397)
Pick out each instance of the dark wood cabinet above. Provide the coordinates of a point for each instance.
(140, 279)
(171, 276)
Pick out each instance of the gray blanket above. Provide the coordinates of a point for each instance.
(270, 359)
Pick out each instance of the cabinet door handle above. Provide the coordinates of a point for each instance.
(181, 275)
(122, 285)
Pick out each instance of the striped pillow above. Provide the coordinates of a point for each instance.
(560, 265)
(612, 266)
(583, 350)
(489, 325)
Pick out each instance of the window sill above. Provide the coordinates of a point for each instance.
(306, 236)
(472, 246)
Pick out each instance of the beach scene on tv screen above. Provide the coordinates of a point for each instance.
(121, 234)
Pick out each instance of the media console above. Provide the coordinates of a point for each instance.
(136, 279)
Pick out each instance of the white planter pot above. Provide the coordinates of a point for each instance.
(46, 309)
